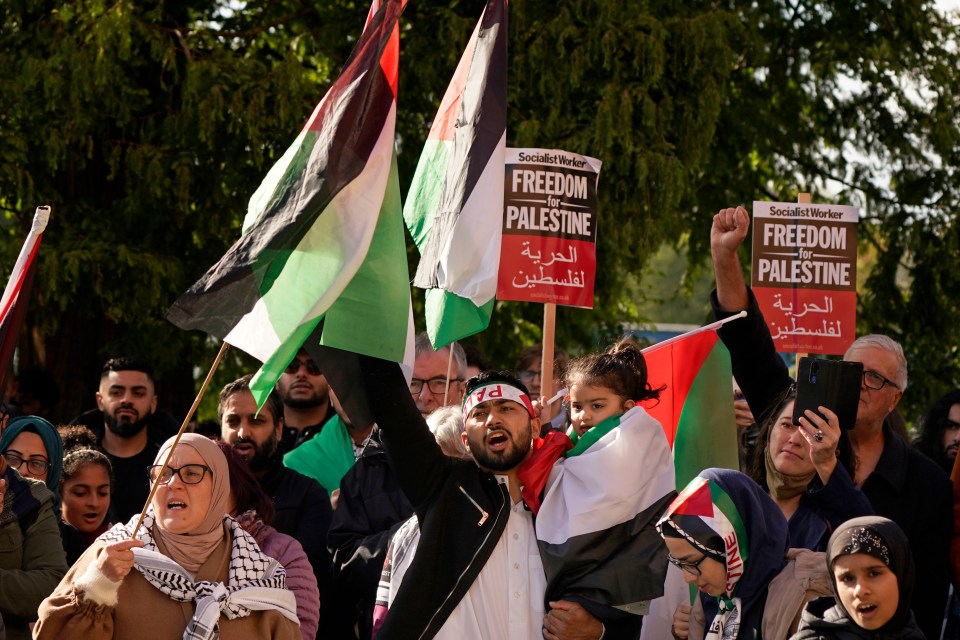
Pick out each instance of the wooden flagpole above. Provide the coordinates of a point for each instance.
(183, 427)
(802, 198)
(446, 386)
(546, 364)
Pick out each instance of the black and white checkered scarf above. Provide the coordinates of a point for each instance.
(255, 582)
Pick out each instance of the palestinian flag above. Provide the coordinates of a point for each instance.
(696, 411)
(596, 527)
(696, 408)
(322, 238)
(454, 208)
(16, 295)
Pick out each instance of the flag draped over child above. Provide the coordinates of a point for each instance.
(323, 235)
(454, 208)
(596, 524)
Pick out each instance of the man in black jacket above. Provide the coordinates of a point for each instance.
(901, 483)
(479, 574)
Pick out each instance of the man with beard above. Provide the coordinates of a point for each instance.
(302, 508)
(306, 403)
(479, 573)
(128, 429)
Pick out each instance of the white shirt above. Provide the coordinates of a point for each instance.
(506, 599)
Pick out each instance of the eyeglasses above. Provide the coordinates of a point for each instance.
(295, 365)
(435, 385)
(875, 381)
(691, 567)
(526, 376)
(36, 466)
(189, 473)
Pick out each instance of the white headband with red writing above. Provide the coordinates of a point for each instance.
(496, 391)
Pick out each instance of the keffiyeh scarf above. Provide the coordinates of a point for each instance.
(255, 582)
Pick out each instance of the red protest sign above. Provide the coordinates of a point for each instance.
(805, 274)
(548, 250)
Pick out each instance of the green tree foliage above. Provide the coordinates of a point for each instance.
(148, 124)
(856, 102)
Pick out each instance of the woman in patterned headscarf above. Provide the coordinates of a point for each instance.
(730, 540)
(191, 572)
(872, 569)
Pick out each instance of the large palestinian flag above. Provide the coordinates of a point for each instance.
(454, 208)
(696, 408)
(319, 214)
(596, 524)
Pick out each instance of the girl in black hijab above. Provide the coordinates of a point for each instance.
(872, 570)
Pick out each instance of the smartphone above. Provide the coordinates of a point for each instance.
(834, 384)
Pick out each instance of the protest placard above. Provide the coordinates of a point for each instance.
(805, 274)
(548, 251)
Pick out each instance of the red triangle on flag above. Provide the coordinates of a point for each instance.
(694, 501)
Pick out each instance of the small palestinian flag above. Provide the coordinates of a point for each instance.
(319, 241)
(696, 408)
(454, 208)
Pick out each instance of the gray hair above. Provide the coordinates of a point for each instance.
(446, 425)
(423, 346)
(884, 343)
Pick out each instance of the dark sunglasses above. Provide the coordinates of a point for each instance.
(295, 365)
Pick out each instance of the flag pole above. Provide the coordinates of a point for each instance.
(446, 386)
(708, 327)
(802, 198)
(183, 427)
(546, 364)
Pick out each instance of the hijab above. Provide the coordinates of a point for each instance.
(781, 485)
(191, 550)
(51, 442)
(726, 516)
(884, 540)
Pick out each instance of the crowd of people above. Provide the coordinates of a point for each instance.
(462, 505)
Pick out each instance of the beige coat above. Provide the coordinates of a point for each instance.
(142, 611)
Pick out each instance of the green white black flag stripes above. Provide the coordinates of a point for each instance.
(596, 525)
(326, 212)
(455, 204)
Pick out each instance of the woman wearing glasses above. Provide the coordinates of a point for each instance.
(189, 570)
(31, 555)
(804, 469)
(730, 540)
(32, 446)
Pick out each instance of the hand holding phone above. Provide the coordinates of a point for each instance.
(834, 384)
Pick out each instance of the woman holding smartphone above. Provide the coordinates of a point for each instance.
(804, 469)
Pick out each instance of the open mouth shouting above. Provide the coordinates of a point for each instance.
(498, 440)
